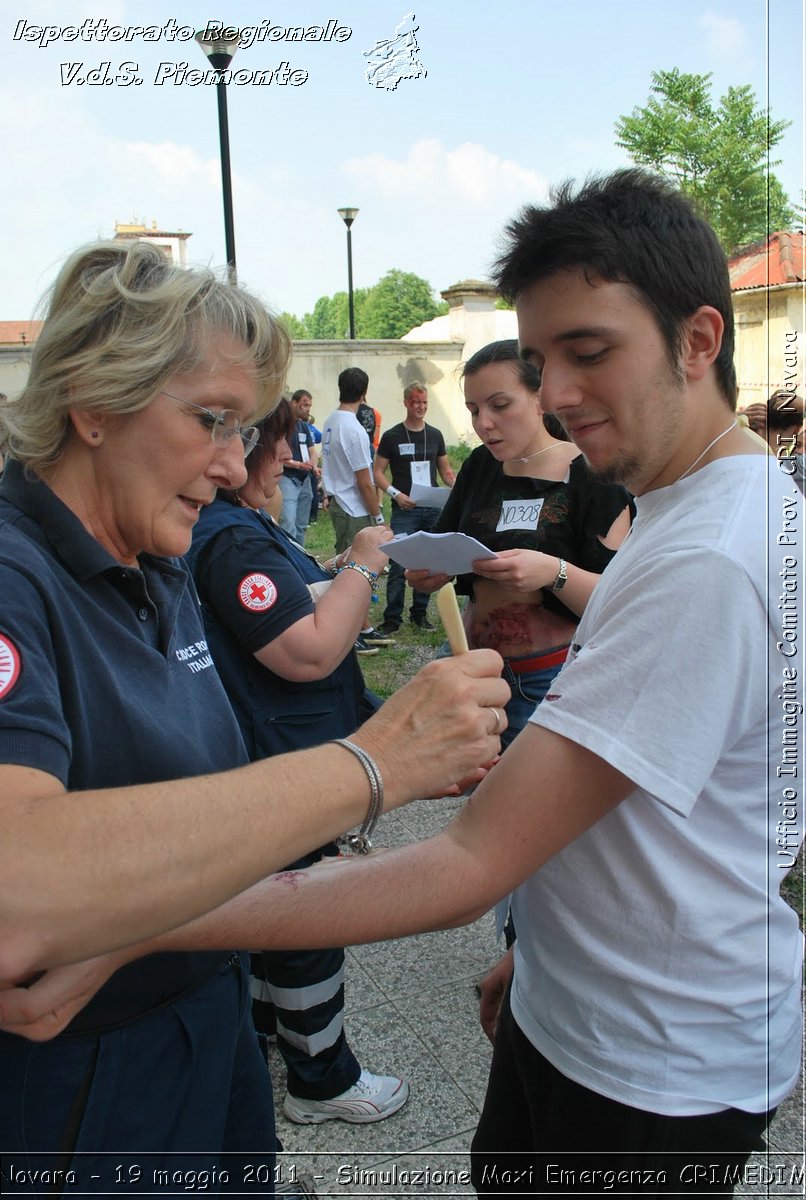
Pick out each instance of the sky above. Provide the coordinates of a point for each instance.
(517, 95)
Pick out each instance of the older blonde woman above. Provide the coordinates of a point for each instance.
(115, 729)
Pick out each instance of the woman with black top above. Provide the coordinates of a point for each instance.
(281, 629)
(529, 496)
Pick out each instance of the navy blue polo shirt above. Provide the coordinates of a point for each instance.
(255, 582)
(105, 681)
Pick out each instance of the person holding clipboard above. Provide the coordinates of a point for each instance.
(415, 453)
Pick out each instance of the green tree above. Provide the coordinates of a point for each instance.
(396, 304)
(718, 156)
(321, 323)
(296, 328)
(330, 318)
(391, 308)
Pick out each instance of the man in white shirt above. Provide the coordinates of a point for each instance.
(347, 463)
(646, 816)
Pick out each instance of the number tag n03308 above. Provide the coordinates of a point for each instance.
(518, 514)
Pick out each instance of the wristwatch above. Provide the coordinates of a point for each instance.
(393, 492)
(561, 577)
(378, 518)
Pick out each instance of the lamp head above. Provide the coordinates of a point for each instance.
(219, 50)
(348, 215)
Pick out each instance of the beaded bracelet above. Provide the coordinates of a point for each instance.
(360, 842)
(370, 576)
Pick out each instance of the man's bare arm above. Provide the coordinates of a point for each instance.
(380, 467)
(367, 490)
(446, 472)
(517, 819)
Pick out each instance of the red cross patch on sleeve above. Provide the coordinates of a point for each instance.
(257, 592)
(9, 665)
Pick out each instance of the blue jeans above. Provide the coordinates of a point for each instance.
(528, 689)
(410, 520)
(296, 514)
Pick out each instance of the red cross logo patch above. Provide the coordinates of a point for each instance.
(9, 665)
(257, 592)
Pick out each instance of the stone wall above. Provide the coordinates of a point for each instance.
(391, 366)
(770, 341)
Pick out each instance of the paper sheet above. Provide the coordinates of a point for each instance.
(439, 553)
(429, 497)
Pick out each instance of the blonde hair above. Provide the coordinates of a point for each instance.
(121, 320)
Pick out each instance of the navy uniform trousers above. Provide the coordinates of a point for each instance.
(177, 1100)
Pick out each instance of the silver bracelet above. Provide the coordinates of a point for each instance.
(360, 842)
(370, 576)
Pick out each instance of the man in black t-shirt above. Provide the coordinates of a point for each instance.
(415, 452)
(368, 421)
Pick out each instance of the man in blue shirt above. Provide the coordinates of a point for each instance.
(297, 483)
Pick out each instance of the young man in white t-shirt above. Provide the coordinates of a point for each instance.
(641, 821)
(347, 479)
(347, 463)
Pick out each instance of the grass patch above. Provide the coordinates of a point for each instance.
(392, 666)
(458, 454)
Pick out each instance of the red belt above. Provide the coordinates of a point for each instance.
(539, 662)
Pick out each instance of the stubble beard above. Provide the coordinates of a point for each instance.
(622, 470)
(630, 470)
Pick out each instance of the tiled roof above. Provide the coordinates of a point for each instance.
(779, 258)
(17, 333)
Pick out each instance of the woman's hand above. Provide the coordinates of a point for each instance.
(523, 570)
(44, 1009)
(365, 547)
(425, 581)
(441, 728)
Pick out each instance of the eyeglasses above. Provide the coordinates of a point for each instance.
(223, 426)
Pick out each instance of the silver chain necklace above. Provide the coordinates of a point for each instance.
(528, 456)
(710, 446)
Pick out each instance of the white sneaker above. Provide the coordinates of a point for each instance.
(371, 1098)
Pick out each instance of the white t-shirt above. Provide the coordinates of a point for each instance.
(345, 450)
(656, 963)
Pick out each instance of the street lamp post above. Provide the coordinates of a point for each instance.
(348, 215)
(220, 52)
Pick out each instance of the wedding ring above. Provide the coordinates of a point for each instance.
(495, 729)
